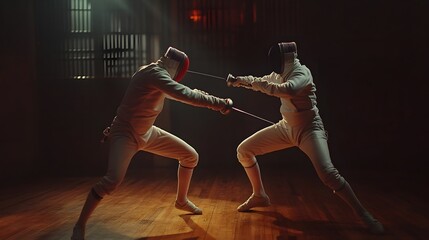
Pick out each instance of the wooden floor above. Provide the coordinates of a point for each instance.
(142, 208)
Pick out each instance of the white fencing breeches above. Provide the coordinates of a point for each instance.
(124, 145)
(311, 138)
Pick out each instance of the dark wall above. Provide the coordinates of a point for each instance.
(372, 73)
(19, 91)
(368, 59)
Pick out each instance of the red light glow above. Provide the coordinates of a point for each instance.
(195, 15)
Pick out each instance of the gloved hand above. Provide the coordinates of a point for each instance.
(238, 81)
(228, 106)
(200, 91)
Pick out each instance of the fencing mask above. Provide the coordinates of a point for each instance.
(282, 54)
(177, 63)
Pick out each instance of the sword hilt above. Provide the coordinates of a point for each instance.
(230, 80)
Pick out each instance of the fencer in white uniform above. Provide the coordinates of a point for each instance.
(301, 126)
(133, 130)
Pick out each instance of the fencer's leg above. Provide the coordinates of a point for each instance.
(165, 144)
(184, 176)
(263, 141)
(91, 203)
(316, 148)
(254, 175)
(122, 149)
(259, 198)
(346, 193)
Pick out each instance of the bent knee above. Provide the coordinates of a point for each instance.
(332, 178)
(244, 156)
(190, 160)
(107, 185)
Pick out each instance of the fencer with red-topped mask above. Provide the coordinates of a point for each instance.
(301, 126)
(133, 130)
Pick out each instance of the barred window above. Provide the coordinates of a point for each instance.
(80, 14)
(79, 49)
(112, 49)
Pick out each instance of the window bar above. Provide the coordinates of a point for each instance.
(78, 56)
(109, 56)
(124, 71)
(105, 39)
(91, 55)
(127, 47)
(87, 59)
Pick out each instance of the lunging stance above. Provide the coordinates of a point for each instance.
(301, 126)
(132, 130)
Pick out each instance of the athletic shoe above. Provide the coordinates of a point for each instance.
(189, 207)
(254, 201)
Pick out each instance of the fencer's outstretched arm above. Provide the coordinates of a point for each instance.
(270, 84)
(194, 97)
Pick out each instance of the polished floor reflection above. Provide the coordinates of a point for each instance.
(142, 208)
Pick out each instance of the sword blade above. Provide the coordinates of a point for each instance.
(252, 115)
(207, 75)
(234, 108)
